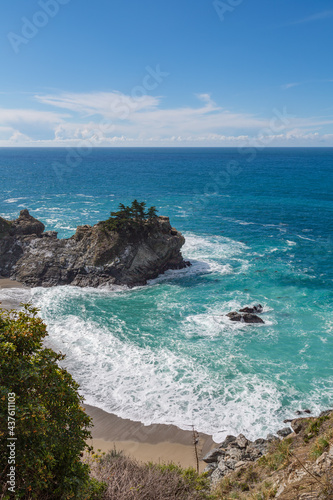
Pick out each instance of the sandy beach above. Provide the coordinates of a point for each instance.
(157, 442)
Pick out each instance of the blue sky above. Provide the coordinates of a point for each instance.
(176, 73)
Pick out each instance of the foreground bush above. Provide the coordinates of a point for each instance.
(41, 408)
(127, 479)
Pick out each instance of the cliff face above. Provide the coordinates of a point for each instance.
(93, 256)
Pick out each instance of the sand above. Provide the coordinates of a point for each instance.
(10, 302)
(159, 443)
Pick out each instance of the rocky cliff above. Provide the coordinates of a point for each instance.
(297, 464)
(93, 256)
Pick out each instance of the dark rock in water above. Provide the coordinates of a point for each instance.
(234, 316)
(252, 318)
(93, 256)
(245, 317)
(255, 309)
(307, 411)
(284, 432)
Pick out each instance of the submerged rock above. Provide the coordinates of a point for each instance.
(93, 256)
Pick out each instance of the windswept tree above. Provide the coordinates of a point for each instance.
(134, 217)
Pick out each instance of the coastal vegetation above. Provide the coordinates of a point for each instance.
(43, 427)
(132, 217)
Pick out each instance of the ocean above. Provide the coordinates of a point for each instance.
(258, 226)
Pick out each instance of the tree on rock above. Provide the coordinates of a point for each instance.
(134, 217)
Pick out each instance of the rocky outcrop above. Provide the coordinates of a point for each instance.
(233, 453)
(93, 256)
(246, 315)
(297, 466)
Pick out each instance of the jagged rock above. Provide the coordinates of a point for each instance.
(242, 441)
(235, 454)
(255, 309)
(244, 317)
(229, 439)
(212, 456)
(256, 450)
(26, 225)
(284, 432)
(93, 256)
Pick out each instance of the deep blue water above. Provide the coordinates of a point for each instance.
(258, 228)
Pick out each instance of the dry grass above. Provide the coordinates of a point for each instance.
(127, 479)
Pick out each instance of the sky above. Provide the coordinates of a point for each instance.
(79, 73)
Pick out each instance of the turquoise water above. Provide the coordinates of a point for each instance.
(258, 228)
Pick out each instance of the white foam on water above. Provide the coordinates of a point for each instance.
(15, 295)
(304, 238)
(163, 382)
(155, 385)
(15, 200)
(208, 255)
(217, 253)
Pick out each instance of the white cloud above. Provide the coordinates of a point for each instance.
(113, 118)
(12, 116)
(108, 104)
(315, 17)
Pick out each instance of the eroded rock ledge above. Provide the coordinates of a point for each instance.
(93, 256)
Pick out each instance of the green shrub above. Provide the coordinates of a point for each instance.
(51, 426)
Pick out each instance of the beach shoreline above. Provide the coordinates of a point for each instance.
(158, 443)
